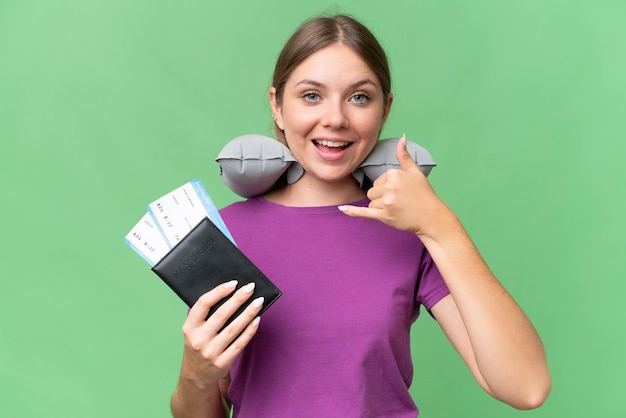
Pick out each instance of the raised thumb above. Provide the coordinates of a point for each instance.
(405, 160)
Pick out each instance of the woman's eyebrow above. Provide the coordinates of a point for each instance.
(363, 82)
(310, 83)
(321, 85)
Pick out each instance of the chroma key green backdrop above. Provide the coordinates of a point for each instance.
(106, 105)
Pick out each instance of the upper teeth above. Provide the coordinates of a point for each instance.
(327, 143)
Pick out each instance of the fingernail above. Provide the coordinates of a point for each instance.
(256, 321)
(258, 302)
(231, 285)
(342, 208)
(248, 288)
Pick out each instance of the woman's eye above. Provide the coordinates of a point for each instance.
(360, 98)
(311, 97)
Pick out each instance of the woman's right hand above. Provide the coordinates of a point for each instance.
(208, 355)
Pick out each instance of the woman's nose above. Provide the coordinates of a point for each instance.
(335, 116)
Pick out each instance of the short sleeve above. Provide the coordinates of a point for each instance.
(431, 288)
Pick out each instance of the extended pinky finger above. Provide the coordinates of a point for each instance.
(359, 212)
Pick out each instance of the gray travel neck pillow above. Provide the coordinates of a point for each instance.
(251, 164)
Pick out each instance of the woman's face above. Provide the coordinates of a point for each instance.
(332, 112)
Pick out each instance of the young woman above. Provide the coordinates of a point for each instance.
(354, 265)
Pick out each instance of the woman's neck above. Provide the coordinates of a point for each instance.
(305, 192)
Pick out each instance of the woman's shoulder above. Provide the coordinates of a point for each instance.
(238, 208)
(249, 209)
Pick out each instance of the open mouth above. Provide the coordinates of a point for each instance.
(331, 144)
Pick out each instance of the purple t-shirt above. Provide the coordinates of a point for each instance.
(337, 343)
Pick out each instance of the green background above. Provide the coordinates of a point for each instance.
(106, 105)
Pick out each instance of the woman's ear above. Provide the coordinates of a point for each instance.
(276, 111)
(387, 108)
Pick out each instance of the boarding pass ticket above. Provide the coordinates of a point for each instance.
(170, 218)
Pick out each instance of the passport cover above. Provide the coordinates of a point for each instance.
(206, 258)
